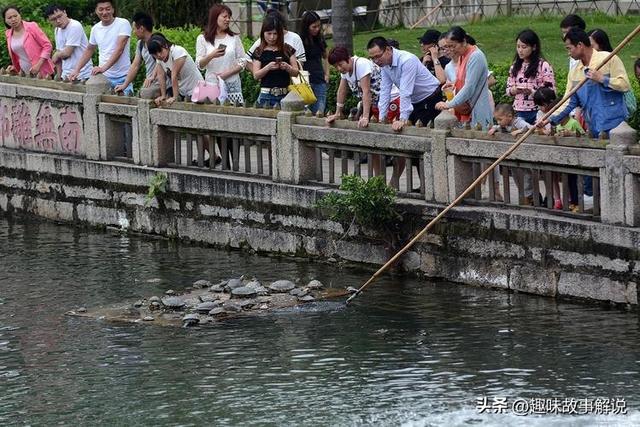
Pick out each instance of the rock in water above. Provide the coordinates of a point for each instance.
(307, 298)
(281, 286)
(201, 284)
(315, 284)
(148, 318)
(170, 292)
(173, 303)
(244, 292)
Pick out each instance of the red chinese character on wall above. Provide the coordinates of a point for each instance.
(70, 131)
(46, 137)
(21, 124)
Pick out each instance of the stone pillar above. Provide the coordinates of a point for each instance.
(145, 132)
(96, 86)
(293, 162)
(619, 189)
(450, 176)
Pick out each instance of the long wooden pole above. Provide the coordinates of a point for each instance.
(482, 176)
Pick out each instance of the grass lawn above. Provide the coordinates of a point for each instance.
(496, 37)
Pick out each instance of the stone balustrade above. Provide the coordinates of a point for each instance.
(86, 121)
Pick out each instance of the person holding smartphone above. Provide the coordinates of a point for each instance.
(528, 73)
(220, 53)
(274, 63)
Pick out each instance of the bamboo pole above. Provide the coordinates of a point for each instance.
(484, 174)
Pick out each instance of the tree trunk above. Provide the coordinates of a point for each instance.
(342, 23)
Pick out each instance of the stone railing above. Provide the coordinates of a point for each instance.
(434, 165)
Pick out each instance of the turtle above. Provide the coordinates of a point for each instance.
(206, 307)
(281, 286)
(190, 319)
(173, 303)
(243, 292)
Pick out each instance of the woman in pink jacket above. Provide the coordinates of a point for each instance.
(29, 47)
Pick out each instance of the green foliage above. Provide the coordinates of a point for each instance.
(157, 186)
(369, 203)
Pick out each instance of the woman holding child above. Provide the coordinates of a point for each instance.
(529, 72)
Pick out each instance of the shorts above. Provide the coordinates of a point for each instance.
(392, 114)
(115, 81)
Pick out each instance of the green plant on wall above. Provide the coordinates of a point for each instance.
(157, 186)
(368, 203)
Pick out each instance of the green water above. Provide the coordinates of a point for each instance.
(409, 352)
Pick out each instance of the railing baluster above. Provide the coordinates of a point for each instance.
(369, 165)
(319, 164)
(492, 182)
(580, 181)
(259, 157)
(535, 177)
(224, 152)
(356, 163)
(212, 151)
(409, 185)
(178, 147)
(247, 155)
(383, 167)
(596, 196)
(475, 170)
(506, 183)
(200, 145)
(565, 191)
(344, 156)
(332, 166)
(421, 176)
(235, 144)
(517, 175)
(270, 160)
(189, 149)
(548, 188)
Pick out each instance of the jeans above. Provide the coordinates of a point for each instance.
(320, 91)
(267, 100)
(528, 116)
(115, 81)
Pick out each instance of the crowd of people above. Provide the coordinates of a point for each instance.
(392, 85)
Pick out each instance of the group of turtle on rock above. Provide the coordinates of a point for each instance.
(205, 302)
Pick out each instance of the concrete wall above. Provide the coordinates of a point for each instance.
(519, 249)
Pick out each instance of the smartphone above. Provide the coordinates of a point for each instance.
(278, 59)
(222, 46)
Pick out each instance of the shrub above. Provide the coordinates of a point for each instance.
(368, 203)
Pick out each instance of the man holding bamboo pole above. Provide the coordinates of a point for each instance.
(602, 97)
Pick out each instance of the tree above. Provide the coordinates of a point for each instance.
(342, 23)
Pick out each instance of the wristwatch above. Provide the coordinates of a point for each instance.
(436, 62)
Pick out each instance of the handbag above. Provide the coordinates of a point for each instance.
(301, 86)
(204, 92)
(466, 108)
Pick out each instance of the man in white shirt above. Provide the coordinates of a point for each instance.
(111, 37)
(290, 38)
(71, 41)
